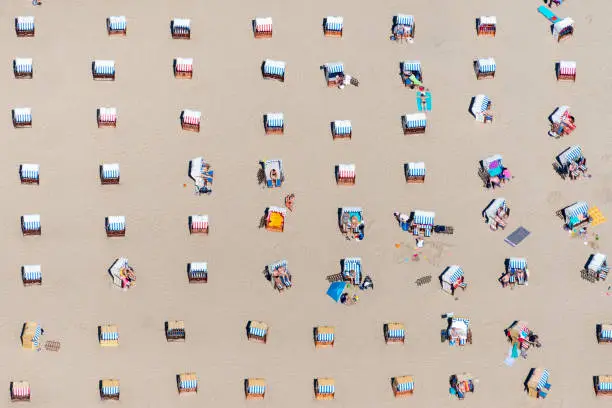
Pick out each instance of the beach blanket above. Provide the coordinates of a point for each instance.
(546, 12)
(517, 236)
(427, 102)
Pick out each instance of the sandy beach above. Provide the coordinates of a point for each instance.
(77, 294)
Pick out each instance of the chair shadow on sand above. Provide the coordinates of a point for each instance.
(261, 176)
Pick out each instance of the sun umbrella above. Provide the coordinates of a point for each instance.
(336, 289)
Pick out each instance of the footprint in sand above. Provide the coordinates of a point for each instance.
(554, 197)
(607, 193)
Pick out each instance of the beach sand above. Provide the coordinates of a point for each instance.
(227, 88)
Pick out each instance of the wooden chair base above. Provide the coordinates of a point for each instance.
(263, 34)
(332, 33)
(345, 182)
(415, 179)
(109, 181)
(275, 77)
(36, 282)
(198, 280)
(100, 77)
(275, 131)
(190, 128)
(414, 131)
(183, 75)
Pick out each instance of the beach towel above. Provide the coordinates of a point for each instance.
(517, 236)
(427, 102)
(546, 12)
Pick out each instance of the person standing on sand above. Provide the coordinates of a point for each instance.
(36, 3)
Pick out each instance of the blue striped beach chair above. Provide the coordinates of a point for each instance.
(422, 222)
(271, 69)
(479, 105)
(342, 129)
(453, 278)
(394, 333)
(603, 385)
(571, 155)
(576, 215)
(254, 388)
(324, 336)
(22, 118)
(333, 26)
(537, 384)
(187, 382)
(23, 68)
(351, 270)
(115, 226)
(459, 332)
(273, 170)
(262, 27)
(490, 212)
(412, 74)
(257, 331)
(597, 267)
(109, 173)
(29, 173)
(402, 386)
(284, 280)
(109, 389)
(274, 123)
(24, 26)
(414, 123)
(516, 271)
(180, 28)
(175, 330)
(31, 336)
(485, 68)
(604, 333)
(486, 26)
(197, 272)
(116, 26)
(333, 71)
(403, 27)
(103, 70)
(349, 219)
(30, 224)
(415, 172)
(31, 275)
(324, 388)
(108, 335)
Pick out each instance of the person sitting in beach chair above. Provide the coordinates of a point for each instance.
(411, 79)
(357, 228)
(282, 279)
(500, 216)
(274, 177)
(348, 300)
(350, 276)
